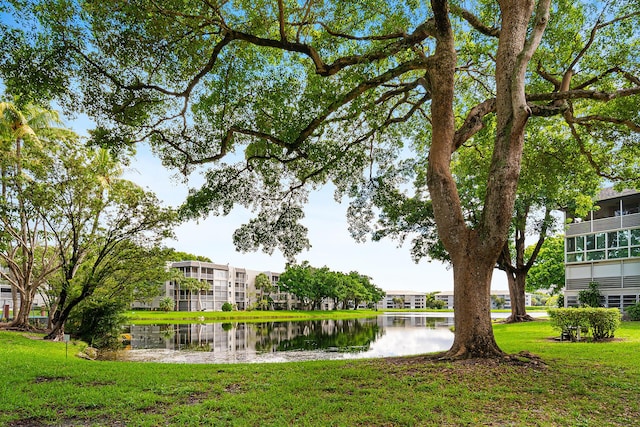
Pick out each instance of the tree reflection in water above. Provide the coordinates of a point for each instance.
(354, 335)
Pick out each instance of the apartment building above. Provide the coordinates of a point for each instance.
(605, 248)
(403, 299)
(224, 283)
(499, 298)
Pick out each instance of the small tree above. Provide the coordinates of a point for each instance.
(264, 285)
(398, 302)
(590, 297)
(498, 301)
(432, 302)
(195, 286)
(166, 304)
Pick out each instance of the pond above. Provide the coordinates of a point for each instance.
(385, 336)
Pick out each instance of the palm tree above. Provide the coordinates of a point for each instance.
(194, 285)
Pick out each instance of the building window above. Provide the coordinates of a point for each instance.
(601, 246)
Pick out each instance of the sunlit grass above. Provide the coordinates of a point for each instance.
(583, 384)
(158, 317)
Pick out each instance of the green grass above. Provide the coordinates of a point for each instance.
(142, 317)
(583, 384)
(158, 317)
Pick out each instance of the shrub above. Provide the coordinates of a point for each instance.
(166, 304)
(98, 322)
(227, 306)
(603, 322)
(590, 297)
(633, 312)
(600, 323)
(567, 320)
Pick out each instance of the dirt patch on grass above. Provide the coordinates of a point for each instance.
(47, 379)
(27, 422)
(523, 359)
(233, 388)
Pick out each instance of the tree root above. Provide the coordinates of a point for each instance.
(20, 328)
(519, 318)
(524, 358)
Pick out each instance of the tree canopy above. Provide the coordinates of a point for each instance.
(280, 97)
(547, 272)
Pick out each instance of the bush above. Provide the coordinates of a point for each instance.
(603, 322)
(600, 323)
(99, 323)
(227, 306)
(166, 304)
(590, 297)
(633, 312)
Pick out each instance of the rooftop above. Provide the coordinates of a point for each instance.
(610, 193)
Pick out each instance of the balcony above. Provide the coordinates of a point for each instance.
(604, 224)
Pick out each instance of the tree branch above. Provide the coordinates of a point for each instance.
(474, 21)
(584, 94)
(423, 31)
(281, 21)
(624, 122)
(474, 122)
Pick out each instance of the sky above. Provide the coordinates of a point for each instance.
(390, 266)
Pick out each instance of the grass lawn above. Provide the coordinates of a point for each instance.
(583, 384)
(157, 317)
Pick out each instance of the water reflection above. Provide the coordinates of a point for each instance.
(386, 335)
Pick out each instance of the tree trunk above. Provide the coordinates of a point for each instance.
(59, 318)
(21, 318)
(14, 300)
(472, 303)
(517, 280)
(472, 257)
(474, 251)
(58, 322)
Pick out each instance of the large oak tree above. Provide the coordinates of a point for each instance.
(279, 97)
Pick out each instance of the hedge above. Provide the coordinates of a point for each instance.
(599, 323)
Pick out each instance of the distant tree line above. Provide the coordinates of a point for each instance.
(312, 285)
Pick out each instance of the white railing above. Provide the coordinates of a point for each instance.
(604, 224)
